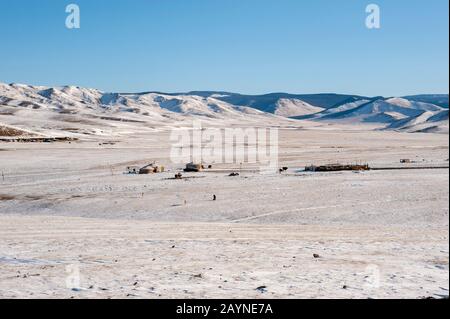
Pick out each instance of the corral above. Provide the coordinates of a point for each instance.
(338, 167)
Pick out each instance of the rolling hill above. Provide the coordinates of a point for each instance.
(83, 111)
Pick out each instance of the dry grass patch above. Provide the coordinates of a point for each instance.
(6, 197)
(10, 132)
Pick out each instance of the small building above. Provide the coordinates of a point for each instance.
(151, 169)
(148, 169)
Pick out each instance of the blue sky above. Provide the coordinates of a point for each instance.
(247, 46)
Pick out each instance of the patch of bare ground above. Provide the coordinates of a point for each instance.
(70, 129)
(74, 119)
(30, 104)
(68, 111)
(6, 197)
(9, 131)
(36, 139)
(7, 112)
(116, 119)
(33, 197)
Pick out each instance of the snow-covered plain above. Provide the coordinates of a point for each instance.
(68, 206)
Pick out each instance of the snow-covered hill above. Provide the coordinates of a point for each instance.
(392, 113)
(295, 107)
(76, 111)
(425, 123)
(82, 111)
(437, 99)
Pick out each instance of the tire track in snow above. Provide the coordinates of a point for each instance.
(308, 209)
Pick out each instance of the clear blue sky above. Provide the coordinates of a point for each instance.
(247, 46)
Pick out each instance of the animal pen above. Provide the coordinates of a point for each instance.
(338, 168)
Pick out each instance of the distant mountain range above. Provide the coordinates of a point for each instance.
(89, 111)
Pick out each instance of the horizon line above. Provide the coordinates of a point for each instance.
(191, 92)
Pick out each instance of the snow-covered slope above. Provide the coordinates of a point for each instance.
(426, 122)
(367, 111)
(391, 113)
(269, 102)
(441, 100)
(417, 105)
(295, 107)
(77, 111)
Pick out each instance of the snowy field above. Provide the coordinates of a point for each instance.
(69, 210)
